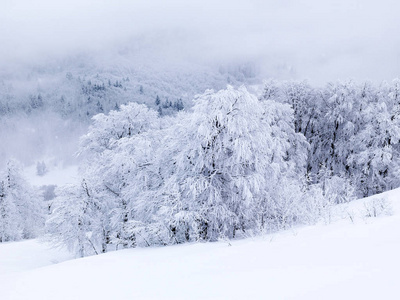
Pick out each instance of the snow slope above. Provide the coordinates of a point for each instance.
(345, 259)
(16, 257)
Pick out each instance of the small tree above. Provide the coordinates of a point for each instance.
(76, 221)
(21, 209)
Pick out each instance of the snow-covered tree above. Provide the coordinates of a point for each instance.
(232, 164)
(377, 153)
(21, 209)
(115, 151)
(10, 228)
(77, 220)
(223, 159)
(118, 148)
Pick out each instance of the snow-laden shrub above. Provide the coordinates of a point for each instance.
(338, 190)
(377, 207)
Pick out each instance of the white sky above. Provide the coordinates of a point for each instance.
(318, 40)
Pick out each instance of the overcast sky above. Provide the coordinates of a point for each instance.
(317, 40)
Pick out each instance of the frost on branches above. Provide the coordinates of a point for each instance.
(224, 169)
(224, 161)
(233, 165)
(353, 131)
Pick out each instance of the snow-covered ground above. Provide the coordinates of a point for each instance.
(356, 257)
(17, 257)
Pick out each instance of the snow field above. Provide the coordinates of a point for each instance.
(347, 259)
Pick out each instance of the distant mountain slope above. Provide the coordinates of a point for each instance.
(45, 106)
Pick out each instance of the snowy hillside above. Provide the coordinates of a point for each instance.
(349, 255)
(199, 149)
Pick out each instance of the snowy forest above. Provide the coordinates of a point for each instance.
(230, 149)
(231, 163)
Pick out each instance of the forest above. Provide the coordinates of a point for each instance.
(232, 163)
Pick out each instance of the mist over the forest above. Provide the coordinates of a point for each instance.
(174, 50)
(293, 39)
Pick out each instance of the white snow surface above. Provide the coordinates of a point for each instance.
(344, 259)
(17, 257)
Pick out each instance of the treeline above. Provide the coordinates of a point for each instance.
(353, 131)
(78, 89)
(80, 98)
(232, 166)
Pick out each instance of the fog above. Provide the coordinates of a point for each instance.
(176, 49)
(314, 40)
